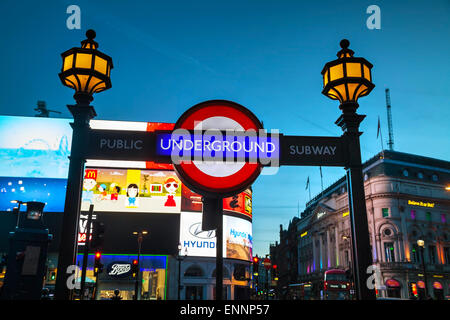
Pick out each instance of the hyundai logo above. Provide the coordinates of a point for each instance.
(196, 230)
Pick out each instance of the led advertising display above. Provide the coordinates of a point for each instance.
(52, 192)
(34, 147)
(131, 190)
(34, 158)
(237, 237)
(240, 203)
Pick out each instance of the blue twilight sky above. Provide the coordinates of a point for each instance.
(266, 55)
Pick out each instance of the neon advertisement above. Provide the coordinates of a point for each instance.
(131, 190)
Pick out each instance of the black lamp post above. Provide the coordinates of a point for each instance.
(180, 258)
(87, 71)
(346, 79)
(140, 237)
(421, 245)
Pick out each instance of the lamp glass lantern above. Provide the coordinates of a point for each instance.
(347, 78)
(421, 243)
(86, 69)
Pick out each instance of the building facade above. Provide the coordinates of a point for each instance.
(407, 201)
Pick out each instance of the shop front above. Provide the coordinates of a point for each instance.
(438, 290)
(118, 274)
(393, 288)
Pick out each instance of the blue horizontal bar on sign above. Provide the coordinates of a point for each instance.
(238, 146)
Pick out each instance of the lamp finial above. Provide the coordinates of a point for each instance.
(344, 43)
(90, 34)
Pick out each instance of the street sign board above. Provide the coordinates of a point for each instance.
(218, 178)
(120, 145)
(312, 151)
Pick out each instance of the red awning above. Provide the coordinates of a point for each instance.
(437, 285)
(392, 283)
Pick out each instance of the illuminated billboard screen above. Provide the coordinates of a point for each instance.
(239, 204)
(237, 237)
(34, 147)
(131, 190)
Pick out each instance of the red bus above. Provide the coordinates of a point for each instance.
(336, 285)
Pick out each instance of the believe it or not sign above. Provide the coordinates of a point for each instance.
(312, 151)
(421, 204)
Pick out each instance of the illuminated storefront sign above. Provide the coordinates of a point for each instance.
(237, 237)
(304, 234)
(345, 214)
(119, 269)
(82, 234)
(232, 146)
(131, 190)
(421, 204)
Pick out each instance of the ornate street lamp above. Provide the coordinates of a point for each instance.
(140, 237)
(421, 245)
(347, 79)
(87, 71)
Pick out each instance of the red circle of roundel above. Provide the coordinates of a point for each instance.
(201, 182)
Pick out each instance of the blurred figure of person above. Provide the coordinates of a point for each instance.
(116, 295)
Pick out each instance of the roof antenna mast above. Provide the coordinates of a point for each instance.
(389, 117)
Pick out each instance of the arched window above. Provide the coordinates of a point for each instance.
(194, 271)
(226, 274)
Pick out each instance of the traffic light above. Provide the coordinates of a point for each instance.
(98, 266)
(98, 230)
(274, 272)
(255, 265)
(135, 267)
(52, 276)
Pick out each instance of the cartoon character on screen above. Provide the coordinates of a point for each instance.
(132, 194)
(115, 192)
(171, 185)
(102, 189)
(89, 183)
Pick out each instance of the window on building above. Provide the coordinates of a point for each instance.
(428, 216)
(432, 254)
(420, 175)
(447, 255)
(389, 251)
(434, 177)
(385, 212)
(415, 255)
(347, 258)
(405, 172)
(413, 214)
(194, 271)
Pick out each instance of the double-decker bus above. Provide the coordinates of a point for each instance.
(336, 285)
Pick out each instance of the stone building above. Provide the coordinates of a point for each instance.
(406, 201)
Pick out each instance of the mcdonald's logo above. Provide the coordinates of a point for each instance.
(91, 174)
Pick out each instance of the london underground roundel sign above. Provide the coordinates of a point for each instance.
(218, 178)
